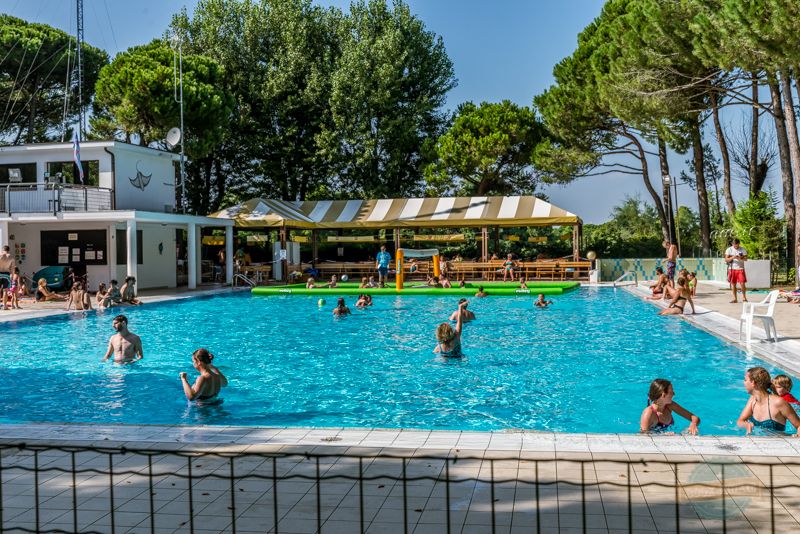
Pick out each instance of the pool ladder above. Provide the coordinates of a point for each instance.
(244, 278)
(624, 276)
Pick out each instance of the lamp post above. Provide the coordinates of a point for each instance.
(667, 179)
(176, 38)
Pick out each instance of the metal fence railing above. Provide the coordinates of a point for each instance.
(102, 490)
(52, 198)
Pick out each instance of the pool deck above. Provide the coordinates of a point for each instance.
(558, 511)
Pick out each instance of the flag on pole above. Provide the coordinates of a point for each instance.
(77, 153)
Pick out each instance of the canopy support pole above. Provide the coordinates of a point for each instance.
(497, 240)
(485, 243)
(576, 242)
(314, 249)
(284, 262)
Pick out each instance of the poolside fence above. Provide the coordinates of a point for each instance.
(110, 490)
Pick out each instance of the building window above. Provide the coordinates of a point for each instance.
(26, 170)
(70, 175)
(122, 247)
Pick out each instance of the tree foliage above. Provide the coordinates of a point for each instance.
(488, 150)
(36, 63)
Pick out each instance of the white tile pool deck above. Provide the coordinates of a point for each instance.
(511, 454)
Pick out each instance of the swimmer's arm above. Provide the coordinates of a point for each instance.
(691, 302)
(109, 352)
(786, 409)
(69, 302)
(644, 422)
(191, 391)
(222, 380)
(747, 413)
(686, 414)
(138, 349)
(460, 319)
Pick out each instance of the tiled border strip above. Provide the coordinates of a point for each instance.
(518, 441)
(178, 437)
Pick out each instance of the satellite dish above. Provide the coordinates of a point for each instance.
(174, 136)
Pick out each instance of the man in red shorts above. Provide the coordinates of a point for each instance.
(735, 256)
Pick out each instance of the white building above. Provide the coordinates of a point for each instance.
(120, 221)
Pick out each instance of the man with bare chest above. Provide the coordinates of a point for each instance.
(125, 346)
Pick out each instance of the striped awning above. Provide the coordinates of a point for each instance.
(445, 212)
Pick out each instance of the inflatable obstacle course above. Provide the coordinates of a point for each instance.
(498, 289)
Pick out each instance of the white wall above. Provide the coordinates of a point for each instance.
(160, 190)
(157, 270)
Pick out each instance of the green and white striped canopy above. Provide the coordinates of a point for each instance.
(445, 212)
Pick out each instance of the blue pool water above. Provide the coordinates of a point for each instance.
(583, 365)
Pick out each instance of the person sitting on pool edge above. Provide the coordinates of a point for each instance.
(764, 410)
(125, 346)
(467, 315)
(341, 310)
(681, 295)
(541, 302)
(448, 339)
(658, 287)
(128, 293)
(332, 283)
(364, 283)
(372, 283)
(657, 417)
(206, 388)
(43, 293)
(481, 293)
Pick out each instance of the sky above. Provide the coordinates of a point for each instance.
(501, 50)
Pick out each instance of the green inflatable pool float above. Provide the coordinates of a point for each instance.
(492, 289)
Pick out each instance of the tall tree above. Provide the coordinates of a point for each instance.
(36, 64)
(137, 89)
(388, 89)
(586, 136)
(488, 150)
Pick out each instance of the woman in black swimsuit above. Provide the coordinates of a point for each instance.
(682, 295)
(206, 388)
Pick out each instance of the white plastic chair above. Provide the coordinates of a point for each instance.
(748, 315)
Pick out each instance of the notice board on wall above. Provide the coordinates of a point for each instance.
(74, 247)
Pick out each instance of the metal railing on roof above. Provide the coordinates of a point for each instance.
(53, 198)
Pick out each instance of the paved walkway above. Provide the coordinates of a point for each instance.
(447, 487)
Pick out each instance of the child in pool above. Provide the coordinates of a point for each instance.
(657, 417)
(522, 284)
(414, 265)
(782, 386)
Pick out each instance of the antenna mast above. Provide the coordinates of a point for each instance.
(81, 117)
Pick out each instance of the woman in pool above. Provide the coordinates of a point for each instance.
(364, 283)
(311, 283)
(363, 301)
(341, 310)
(764, 410)
(448, 340)
(680, 297)
(206, 388)
(657, 417)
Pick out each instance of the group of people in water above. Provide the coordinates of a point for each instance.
(125, 348)
(770, 406)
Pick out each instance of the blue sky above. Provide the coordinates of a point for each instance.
(501, 50)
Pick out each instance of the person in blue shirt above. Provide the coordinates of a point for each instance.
(382, 264)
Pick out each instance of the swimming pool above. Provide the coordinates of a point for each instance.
(582, 365)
